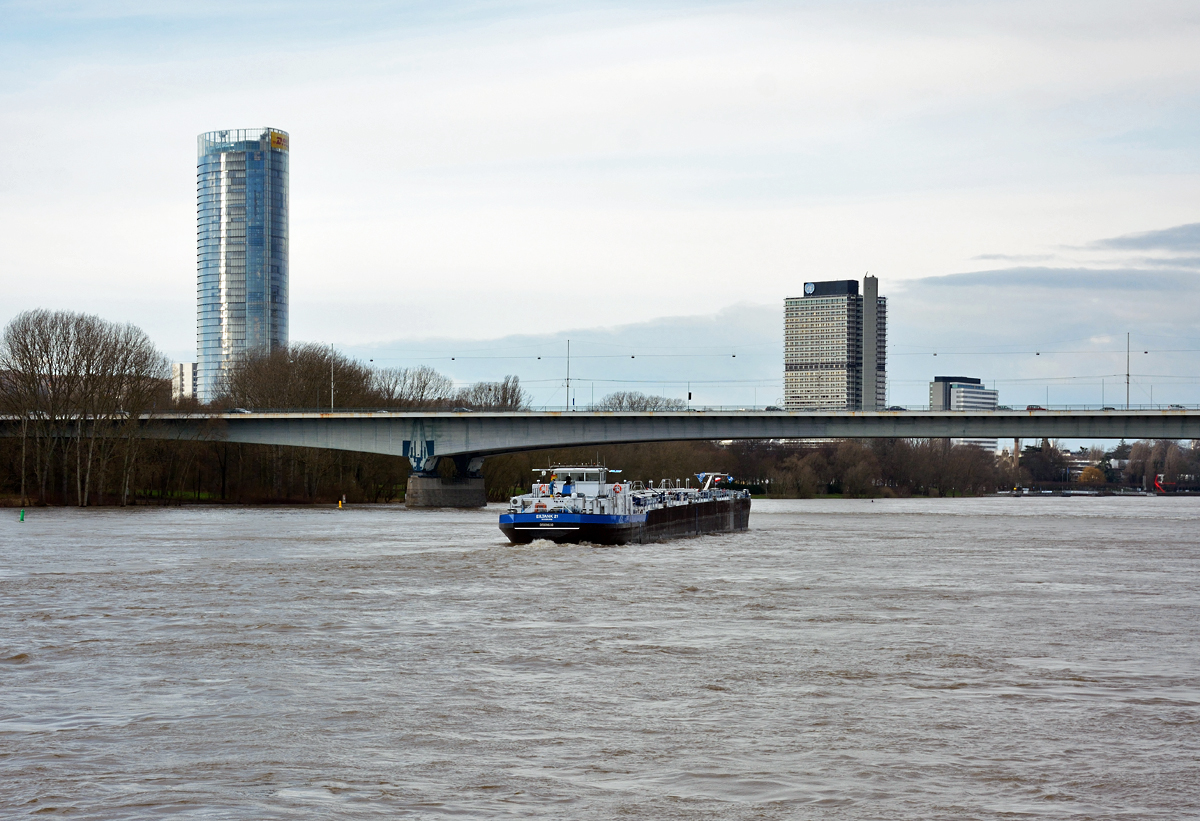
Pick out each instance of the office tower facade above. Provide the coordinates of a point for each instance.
(963, 393)
(835, 347)
(241, 248)
(183, 381)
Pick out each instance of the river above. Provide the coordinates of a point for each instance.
(923, 658)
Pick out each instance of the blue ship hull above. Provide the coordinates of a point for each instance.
(718, 516)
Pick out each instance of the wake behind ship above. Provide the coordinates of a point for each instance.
(577, 503)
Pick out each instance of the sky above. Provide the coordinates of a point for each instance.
(646, 178)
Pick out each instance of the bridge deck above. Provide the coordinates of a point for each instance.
(424, 436)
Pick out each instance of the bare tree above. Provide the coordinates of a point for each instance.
(506, 395)
(39, 352)
(419, 388)
(637, 401)
(139, 387)
(12, 403)
(71, 373)
(301, 376)
(304, 375)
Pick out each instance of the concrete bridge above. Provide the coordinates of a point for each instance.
(426, 437)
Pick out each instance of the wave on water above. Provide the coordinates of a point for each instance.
(547, 544)
(829, 665)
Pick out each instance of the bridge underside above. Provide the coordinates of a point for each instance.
(425, 437)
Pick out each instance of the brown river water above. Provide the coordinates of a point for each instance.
(934, 658)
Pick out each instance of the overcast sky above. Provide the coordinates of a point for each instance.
(1019, 175)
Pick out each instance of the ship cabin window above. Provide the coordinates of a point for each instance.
(579, 475)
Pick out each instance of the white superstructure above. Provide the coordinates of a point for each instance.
(586, 490)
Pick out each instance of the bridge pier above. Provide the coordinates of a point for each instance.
(434, 491)
(427, 488)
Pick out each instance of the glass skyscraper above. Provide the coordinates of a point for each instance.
(241, 248)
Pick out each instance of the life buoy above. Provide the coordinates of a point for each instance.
(542, 489)
(616, 488)
(539, 507)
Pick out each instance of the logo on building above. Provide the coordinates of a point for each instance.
(279, 140)
(809, 287)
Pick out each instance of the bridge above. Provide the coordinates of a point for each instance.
(427, 437)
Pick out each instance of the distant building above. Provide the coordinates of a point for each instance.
(1079, 461)
(963, 393)
(835, 347)
(183, 381)
(241, 248)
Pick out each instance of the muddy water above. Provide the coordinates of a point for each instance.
(988, 658)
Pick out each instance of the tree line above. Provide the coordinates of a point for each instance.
(75, 388)
(78, 388)
(76, 385)
(308, 376)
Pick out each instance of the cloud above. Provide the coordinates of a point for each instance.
(1014, 257)
(1189, 263)
(727, 358)
(1023, 329)
(1181, 238)
(1030, 330)
(1078, 280)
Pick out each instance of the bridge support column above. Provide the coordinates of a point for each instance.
(426, 488)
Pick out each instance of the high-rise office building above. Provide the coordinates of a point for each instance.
(963, 393)
(241, 248)
(835, 347)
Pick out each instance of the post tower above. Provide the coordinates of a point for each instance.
(241, 248)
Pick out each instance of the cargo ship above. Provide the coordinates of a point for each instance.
(578, 503)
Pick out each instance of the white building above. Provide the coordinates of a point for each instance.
(183, 381)
(835, 347)
(963, 393)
